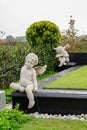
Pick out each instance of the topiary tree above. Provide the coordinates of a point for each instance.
(43, 36)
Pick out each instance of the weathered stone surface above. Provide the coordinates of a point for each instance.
(2, 100)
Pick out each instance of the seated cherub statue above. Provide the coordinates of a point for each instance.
(28, 80)
(62, 54)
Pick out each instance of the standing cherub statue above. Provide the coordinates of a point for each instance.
(28, 80)
(62, 54)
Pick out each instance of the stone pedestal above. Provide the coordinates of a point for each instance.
(2, 100)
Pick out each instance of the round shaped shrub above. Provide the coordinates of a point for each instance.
(43, 36)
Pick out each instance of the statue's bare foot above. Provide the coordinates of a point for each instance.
(60, 65)
(31, 104)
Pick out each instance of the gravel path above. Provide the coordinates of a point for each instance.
(82, 117)
(59, 116)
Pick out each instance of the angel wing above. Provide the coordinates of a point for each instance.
(40, 69)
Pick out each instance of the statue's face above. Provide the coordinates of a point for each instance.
(29, 63)
(31, 60)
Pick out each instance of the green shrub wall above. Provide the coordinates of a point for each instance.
(12, 58)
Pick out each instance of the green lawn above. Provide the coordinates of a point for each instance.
(54, 124)
(73, 80)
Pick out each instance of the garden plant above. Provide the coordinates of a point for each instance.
(12, 119)
(43, 36)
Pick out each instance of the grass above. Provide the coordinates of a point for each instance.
(73, 80)
(54, 124)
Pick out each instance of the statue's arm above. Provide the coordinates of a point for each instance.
(59, 55)
(34, 78)
(66, 46)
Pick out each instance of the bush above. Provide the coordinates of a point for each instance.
(8, 97)
(43, 36)
(12, 58)
(12, 119)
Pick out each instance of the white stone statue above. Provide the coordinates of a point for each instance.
(62, 54)
(28, 80)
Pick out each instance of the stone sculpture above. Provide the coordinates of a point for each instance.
(62, 54)
(28, 80)
(2, 100)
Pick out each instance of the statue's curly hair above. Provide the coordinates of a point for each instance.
(32, 56)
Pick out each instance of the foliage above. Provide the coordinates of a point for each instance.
(43, 36)
(78, 46)
(54, 124)
(79, 80)
(44, 32)
(12, 58)
(71, 31)
(69, 35)
(8, 92)
(12, 119)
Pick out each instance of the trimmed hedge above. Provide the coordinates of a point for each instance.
(12, 58)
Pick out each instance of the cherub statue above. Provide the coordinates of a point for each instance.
(28, 80)
(62, 54)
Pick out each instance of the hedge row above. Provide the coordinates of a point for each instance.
(12, 58)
